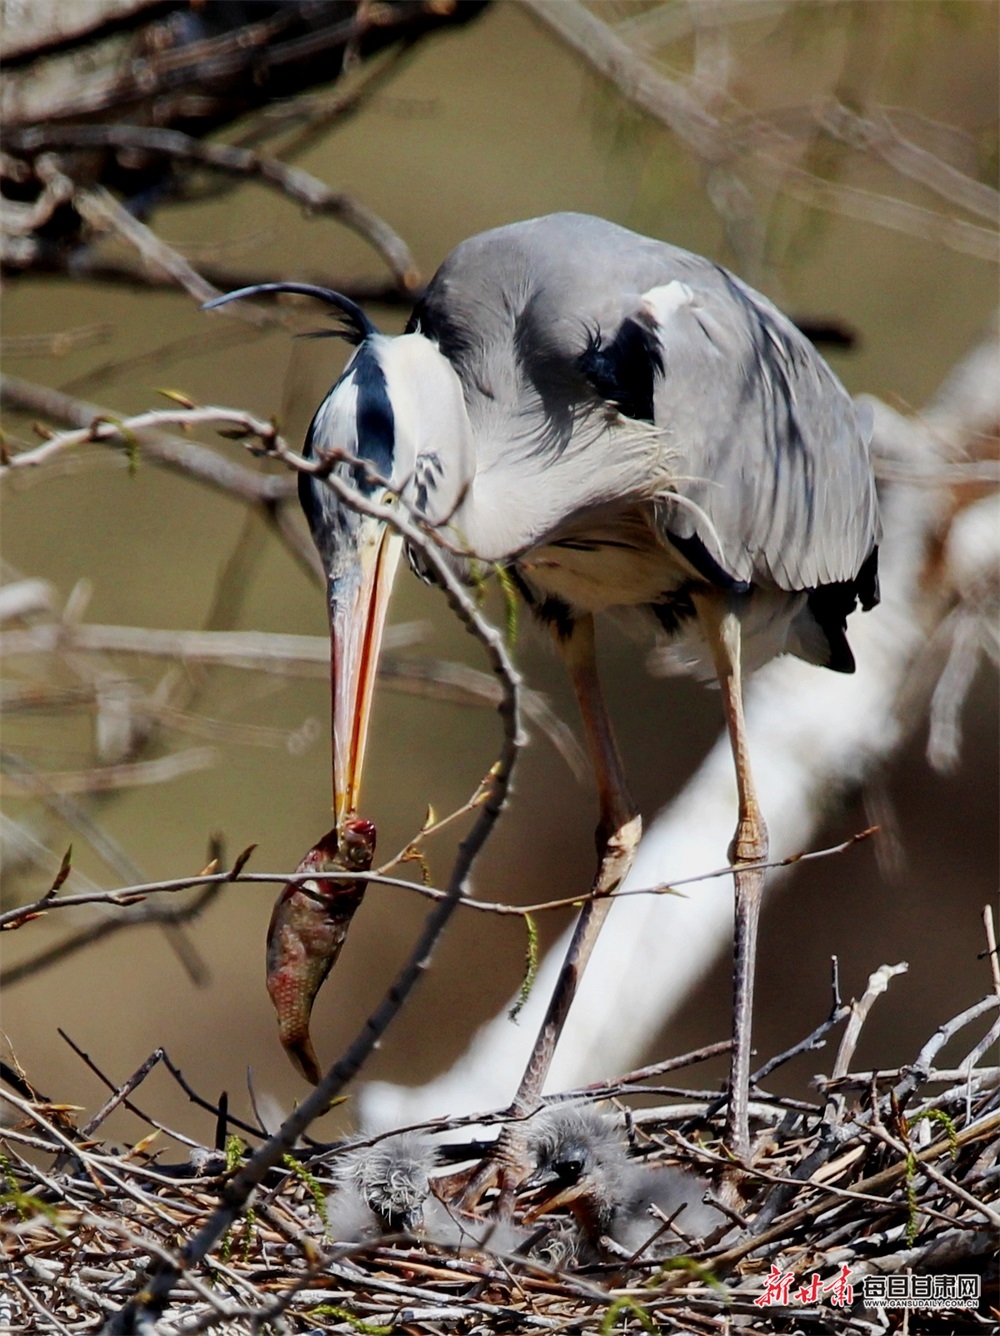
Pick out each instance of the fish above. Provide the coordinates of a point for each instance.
(307, 931)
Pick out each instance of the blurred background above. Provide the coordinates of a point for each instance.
(475, 124)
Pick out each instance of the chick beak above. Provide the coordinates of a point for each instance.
(359, 597)
(565, 1196)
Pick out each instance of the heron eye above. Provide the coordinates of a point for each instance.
(568, 1170)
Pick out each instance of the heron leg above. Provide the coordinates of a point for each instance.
(749, 845)
(618, 831)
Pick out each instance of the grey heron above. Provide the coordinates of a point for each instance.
(580, 1157)
(615, 422)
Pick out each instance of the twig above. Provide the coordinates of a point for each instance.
(118, 432)
(808, 1045)
(254, 650)
(718, 144)
(60, 343)
(39, 1307)
(169, 918)
(814, 1040)
(867, 1186)
(121, 1092)
(897, 215)
(658, 96)
(878, 982)
(103, 212)
(942, 1180)
(924, 1060)
(877, 133)
(159, 1055)
(291, 181)
(108, 778)
(202, 1103)
(107, 848)
(194, 461)
(991, 947)
(607, 1089)
(125, 895)
(238, 1191)
(51, 263)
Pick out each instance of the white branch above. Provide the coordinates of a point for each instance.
(812, 733)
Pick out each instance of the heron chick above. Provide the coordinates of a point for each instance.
(381, 1189)
(386, 1189)
(580, 1154)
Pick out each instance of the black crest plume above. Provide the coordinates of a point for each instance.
(357, 326)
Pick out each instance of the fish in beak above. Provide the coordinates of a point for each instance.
(307, 930)
(310, 919)
(360, 555)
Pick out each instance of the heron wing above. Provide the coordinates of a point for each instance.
(563, 327)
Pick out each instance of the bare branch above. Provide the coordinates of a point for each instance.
(60, 343)
(105, 779)
(129, 894)
(174, 452)
(103, 212)
(877, 133)
(120, 431)
(759, 143)
(878, 982)
(653, 92)
(297, 184)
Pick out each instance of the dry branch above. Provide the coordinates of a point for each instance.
(97, 205)
(237, 1193)
(736, 148)
(121, 100)
(80, 1219)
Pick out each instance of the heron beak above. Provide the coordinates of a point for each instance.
(565, 1197)
(359, 598)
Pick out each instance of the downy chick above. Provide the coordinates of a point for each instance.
(381, 1189)
(385, 1189)
(582, 1154)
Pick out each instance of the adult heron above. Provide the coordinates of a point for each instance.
(616, 422)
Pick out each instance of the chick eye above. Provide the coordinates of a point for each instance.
(568, 1170)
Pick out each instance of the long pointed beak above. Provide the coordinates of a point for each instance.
(359, 598)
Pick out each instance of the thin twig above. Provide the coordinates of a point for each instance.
(297, 184)
(128, 894)
(173, 452)
(878, 982)
(991, 947)
(238, 1191)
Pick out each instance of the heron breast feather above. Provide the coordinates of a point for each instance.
(594, 571)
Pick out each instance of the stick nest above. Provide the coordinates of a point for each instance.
(891, 1173)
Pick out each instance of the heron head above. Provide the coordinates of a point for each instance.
(393, 430)
(579, 1162)
(393, 1179)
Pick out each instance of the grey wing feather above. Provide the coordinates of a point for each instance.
(770, 451)
(765, 449)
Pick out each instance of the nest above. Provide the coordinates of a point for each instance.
(885, 1190)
